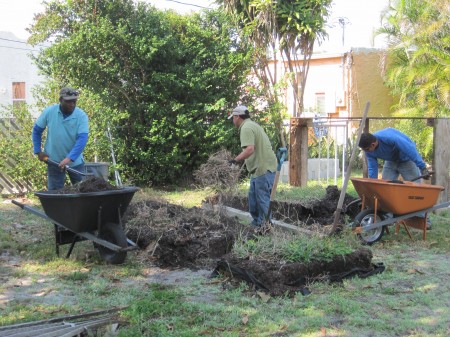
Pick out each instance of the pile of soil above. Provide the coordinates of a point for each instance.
(174, 236)
(280, 279)
(90, 184)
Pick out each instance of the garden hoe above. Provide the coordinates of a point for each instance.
(281, 156)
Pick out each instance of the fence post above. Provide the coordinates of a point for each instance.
(441, 154)
(298, 151)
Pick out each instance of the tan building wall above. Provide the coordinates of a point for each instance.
(366, 84)
(343, 83)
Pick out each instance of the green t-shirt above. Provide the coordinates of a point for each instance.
(263, 159)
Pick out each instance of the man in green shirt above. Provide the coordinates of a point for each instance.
(260, 161)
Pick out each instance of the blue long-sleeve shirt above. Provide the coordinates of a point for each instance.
(67, 135)
(392, 146)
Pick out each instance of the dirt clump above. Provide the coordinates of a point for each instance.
(278, 278)
(174, 236)
(218, 174)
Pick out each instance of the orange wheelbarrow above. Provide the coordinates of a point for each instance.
(388, 202)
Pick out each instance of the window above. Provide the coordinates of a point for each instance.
(18, 91)
(320, 103)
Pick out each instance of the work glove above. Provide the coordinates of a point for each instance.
(425, 173)
(232, 162)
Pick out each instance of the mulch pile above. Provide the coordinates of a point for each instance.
(174, 236)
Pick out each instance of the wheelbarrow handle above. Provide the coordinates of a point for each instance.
(31, 210)
(423, 176)
(52, 162)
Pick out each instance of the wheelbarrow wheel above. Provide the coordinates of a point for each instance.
(112, 232)
(366, 218)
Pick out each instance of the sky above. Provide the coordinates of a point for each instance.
(359, 18)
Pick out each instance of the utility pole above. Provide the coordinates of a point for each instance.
(343, 21)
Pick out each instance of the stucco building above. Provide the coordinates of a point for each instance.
(18, 74)
(339, 85)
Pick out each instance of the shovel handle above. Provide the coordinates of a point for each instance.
(52, 162)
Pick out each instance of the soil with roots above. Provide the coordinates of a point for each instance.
(171, 236)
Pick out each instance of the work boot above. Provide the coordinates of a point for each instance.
(255, 224)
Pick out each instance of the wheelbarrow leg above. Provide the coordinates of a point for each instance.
(397, 228)
(74, 241)
(56, 240)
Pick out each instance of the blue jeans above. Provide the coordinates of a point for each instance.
(408, 170)
(259, 197)
(56, 177)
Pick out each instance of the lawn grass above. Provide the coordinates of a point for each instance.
(411, 298)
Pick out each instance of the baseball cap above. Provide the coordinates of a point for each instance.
(68, 94)
(238, 111)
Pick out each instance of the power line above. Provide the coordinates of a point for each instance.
(41, 45)
(13, 40)
(3, 39)
(187, 4)
(18, 48)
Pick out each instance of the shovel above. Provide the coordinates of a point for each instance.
(54, 163)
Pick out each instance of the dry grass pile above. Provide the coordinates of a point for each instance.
(218, 174)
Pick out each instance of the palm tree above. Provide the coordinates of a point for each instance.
(418, 70)
(286, 29)
(419, 49)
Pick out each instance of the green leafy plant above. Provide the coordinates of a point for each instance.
(162, 81)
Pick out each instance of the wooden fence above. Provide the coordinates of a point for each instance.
(10, 185)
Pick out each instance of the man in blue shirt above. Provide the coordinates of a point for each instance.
(67, 135)
(398, 151)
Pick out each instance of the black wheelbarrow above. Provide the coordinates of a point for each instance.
(95, 216)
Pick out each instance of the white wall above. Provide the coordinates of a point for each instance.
(326, 76)
(16, 66)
